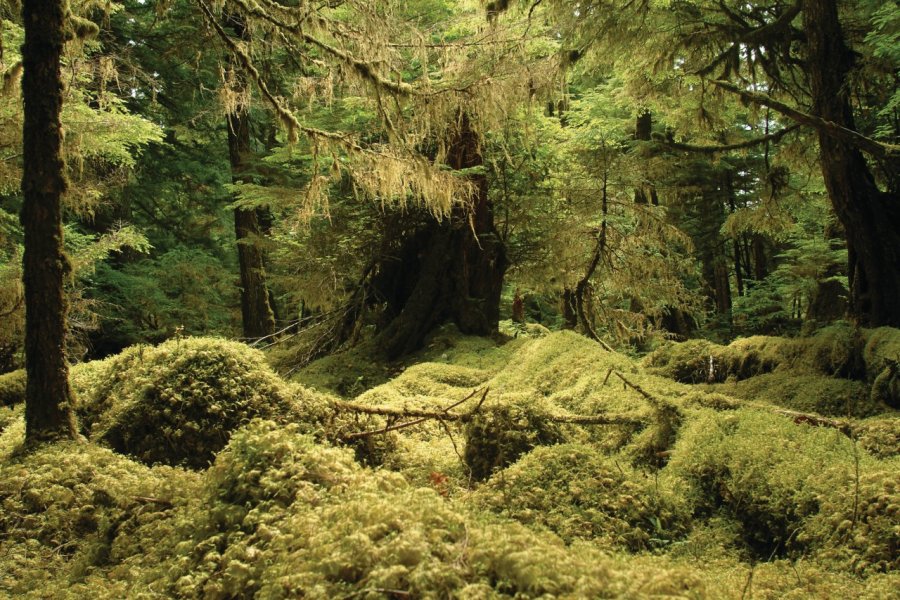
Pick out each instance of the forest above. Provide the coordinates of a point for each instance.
(364, 299)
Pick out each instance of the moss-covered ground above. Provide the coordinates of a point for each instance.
(562, 471)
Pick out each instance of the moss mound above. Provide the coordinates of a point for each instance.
(789, 486)
(64, 506)
(834, 351)
(881, 345)
(879, 436)
(12, 388)
(577, 492)
(742, 501)
(177, 403)
(497, 436)
(282, 516)
(807, 393)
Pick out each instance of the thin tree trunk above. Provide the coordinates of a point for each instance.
(48, 397)
(869, 216)
(583, 285)
(256, 312)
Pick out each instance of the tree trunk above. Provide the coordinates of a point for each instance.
(256, 311)
(48, 398)
(450, 270)
(869, 216)
(643, 130)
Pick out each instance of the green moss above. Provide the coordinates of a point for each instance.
(64, 505)
(12, 388)
(577, 492)
(881, 345)
(788, 485)
(886, 387)
(178, 403)
(498, 435)
(833, 351)
(806, 393)
(879, 436)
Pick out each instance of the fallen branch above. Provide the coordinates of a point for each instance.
(443, 415)
(797, 417)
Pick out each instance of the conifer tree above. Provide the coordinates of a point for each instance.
(48, 403)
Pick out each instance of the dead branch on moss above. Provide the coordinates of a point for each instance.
(797, 417)
(442, 415)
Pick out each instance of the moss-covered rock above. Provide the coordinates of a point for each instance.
(578, 492)
(178, 403)
(12, 388)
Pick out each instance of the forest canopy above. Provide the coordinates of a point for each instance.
(607, 279)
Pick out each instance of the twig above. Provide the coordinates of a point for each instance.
(608, 373)
(650, 397)
(158, 501)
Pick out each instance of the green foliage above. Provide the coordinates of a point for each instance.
(577, 492)
(179, 402)
(185, 289)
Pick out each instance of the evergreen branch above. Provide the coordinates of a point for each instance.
(867, 144)
(711, 149)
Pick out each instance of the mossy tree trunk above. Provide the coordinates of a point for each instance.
(256, 310)
(869, 216)
(449, 270)
(48, 397)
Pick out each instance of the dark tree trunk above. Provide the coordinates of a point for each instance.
(450, 270)
(48, 398)
(645, 193)
(728, 184)
(760, 257)
(256, 311)
(869, 216)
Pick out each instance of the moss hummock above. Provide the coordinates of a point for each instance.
(177, 403)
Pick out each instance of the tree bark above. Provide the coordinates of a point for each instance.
(868, 215)
(450, 270)
(643, 130)
(256, 311)
(48, 397)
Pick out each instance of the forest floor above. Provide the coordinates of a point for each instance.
(538, 466)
